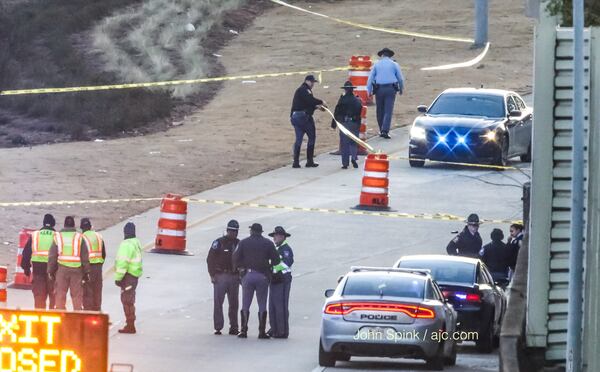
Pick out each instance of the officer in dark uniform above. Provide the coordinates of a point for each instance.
(497, 256)
(514, 244)
(281, 283)
(301, 116)
(347, 112)
(468, 242)
(225, 279)
(255, 257)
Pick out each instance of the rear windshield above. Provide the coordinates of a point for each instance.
(469, 105)
(384, 285)
(444, 271)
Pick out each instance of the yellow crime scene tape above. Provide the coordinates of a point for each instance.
(166, 83)
(416, 216)
(375, 28)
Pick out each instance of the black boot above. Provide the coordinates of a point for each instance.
(310, 154)
(262, 324)
(296, 157)
(129, 328)
(244, 320)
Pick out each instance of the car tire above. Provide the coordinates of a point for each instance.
(485, 344)
(343, 357)
(414, 161)
(451, 360)
(526, 158)
(502, 156)
(325, 359)
(436, 363)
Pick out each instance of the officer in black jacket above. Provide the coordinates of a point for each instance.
(301, 116)
(255, 257)
(497, 256)
(468, 242)
(225, 279)
(347, 112)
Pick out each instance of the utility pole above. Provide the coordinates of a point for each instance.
(481, 23)
(575, 315)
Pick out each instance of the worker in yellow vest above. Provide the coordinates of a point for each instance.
(128, 269)
(35, 256)
(69, 265)
(92, 291)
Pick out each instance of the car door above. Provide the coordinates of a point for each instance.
(512, 124)
(524, 129)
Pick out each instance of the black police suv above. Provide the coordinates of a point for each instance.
(468, 285)
(472, 125)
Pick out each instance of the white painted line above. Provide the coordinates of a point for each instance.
(469, 63)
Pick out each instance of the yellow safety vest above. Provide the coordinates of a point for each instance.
(69, 248)
(95, 246)
(41, 241)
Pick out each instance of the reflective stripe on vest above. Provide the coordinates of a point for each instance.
(282, 267)
(69, 248)
(94, 247)
(41, 241)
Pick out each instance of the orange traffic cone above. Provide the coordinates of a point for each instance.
(375, 183)
(172, 223)
(21, 281)
(3, 294)
(359, 70)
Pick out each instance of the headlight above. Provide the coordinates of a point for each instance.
(490, 136)
(417, 133)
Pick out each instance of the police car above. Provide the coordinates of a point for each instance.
(387, 312)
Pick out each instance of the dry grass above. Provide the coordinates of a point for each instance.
(150, 41)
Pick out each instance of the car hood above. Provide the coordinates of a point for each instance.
(458, 122)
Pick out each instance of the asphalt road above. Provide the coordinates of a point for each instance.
(175, 294)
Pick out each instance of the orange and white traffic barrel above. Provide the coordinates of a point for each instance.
(363, 130)
(358, 72)
(172, 223)
(20, 281)
(3, 293)
(375, 183)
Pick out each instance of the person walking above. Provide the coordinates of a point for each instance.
(35, 256)
(468, 242)
(304, 105)
(69, 265)
(347, 112)
(385, 80)
(497, 256)
(281, 283)
(224, 278)
(128, 270)
(254, 258)
(92, 291)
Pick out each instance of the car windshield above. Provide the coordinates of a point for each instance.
(384, 285)
(468, 105)
(444, 271)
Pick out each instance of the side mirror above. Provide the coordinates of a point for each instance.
(422, 108)
(514, 113)
(329, 292)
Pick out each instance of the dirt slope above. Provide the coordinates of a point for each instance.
(245, 130)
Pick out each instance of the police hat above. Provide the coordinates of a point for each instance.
(256, 227)
(233, 225)
(388, 52)
(348, 85)
(473, 219)
(279, 231)
(311, 78)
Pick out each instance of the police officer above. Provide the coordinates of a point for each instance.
(225, 279)
(255, 257)
(497, 256)
(35, 254)
(514, 245)
(384, 81)
(128, 270)
(301, 116)
(279, 290)
(468, 242)
(92, 291)
(347, 111)
(69, 265)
